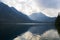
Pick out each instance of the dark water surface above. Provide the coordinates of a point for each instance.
(10, 31)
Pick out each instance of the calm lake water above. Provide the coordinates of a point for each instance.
(47, 31)
(10, 30)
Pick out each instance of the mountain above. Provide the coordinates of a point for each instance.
(9, 16)
(41, 17)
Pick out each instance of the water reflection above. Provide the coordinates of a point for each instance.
(41, 29)
(40, 32)
(10, 31)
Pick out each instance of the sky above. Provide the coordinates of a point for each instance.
(51, 7)
(48, 7)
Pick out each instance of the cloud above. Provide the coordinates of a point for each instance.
(25, 6)
(49, 7)
(49, 3)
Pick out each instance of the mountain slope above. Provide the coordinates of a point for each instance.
(8, 15)
(41, 17)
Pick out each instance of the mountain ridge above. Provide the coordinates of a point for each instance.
(10, 16)
(41, 17)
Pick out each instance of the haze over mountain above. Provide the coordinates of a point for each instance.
(42, 17)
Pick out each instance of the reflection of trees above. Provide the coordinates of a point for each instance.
(57, 23)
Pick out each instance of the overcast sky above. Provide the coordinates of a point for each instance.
(48, 7)
(51, 7)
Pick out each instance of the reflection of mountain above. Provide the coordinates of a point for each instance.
(11, 15)
(41, 17)
(8, 15)
(41, 29)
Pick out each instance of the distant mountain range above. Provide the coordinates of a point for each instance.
(41, 17)
(11, 15)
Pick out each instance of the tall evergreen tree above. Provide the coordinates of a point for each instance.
(57, 23)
